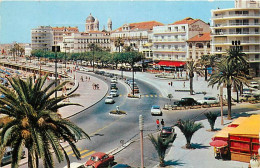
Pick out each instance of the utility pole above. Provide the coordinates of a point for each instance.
(141, 127)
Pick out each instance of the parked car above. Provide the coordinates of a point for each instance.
(99, 160)
(109, 100)
(254, 84)
(7, 158)
(156, 110)
(187, 101)
(121, 166)
(75, 165)
(208, 100)
(166, 132)
(246, 97)
(113, 93)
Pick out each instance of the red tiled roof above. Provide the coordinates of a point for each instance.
(142, 25)
(187, 20)
(200, 37)
(72, 29)
(65, 28)
(58, 28)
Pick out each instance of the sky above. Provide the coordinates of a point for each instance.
(17, 18)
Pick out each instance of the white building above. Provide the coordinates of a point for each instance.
(241, 23)
(169, 41)
(42, 38)
(135, 35)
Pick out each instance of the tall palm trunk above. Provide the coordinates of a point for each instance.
(191, 85)
(229, 101)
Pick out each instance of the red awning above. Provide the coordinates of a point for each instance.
(171, 63)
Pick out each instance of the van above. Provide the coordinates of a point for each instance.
(7, 158)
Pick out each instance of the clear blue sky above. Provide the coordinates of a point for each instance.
(19, 17)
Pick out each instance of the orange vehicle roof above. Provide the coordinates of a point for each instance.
(224, 132)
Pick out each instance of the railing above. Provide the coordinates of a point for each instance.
(227, 33)
(169, 31)
(237, 24)
(234, 15)
(245, 42)
(169, 40)
(169, 50)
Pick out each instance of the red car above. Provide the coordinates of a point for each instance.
(100, 160)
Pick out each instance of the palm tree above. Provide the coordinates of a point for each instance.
(161, 145)
(227, 74)
(192, 67)
(119, 43)
(35, 123)
(211, 119)
(208, 61)
(93, 47)
(188, 128)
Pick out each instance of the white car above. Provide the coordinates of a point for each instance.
(254, 84)
(208, 100)
(156, 110)
(114, 80)
(109, 100)
(114, 93)
(75, 165)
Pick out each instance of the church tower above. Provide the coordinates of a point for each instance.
(96, 25)
(90, 23)
(109, 25)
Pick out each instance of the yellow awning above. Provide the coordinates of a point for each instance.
(250, 127)
(224, 132)
(239, 120)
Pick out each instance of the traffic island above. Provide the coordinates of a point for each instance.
(117, 112)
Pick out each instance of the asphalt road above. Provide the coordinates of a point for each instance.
(107, 131)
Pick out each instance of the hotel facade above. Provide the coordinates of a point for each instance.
(170, 41)
(240, 24)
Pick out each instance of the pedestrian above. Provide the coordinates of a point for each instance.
(171, 83)
(93, 86)
(81, 78)
(183, 84)
(158, 124)
(98, 86)
(162, 123)
(88, 78)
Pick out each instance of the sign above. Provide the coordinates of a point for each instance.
(195, 28)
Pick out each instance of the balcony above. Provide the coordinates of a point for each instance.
(169, 40)
(236, 33)
(235, 15)
(242, 42)
(169, 31)
(237, 24)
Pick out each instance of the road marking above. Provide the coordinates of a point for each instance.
(160, 95)
(87, 154)
(155, 95)
(84, 151)
(105, 126)
(151, 95)
(120, 95)
(146, 95)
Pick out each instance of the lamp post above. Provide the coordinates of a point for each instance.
(141, 127)
(56, 49)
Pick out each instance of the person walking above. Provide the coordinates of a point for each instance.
(158, 124)
(162, 123)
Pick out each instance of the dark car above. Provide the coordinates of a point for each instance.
(187, 101)
(121, 166)
(168, 132)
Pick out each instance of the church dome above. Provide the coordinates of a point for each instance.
(90, 18)
(96, 21)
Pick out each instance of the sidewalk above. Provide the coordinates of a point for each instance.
(203, 155)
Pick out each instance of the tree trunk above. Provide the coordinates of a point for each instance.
(206, 73)
(188, 139)
(162, 164)
(229, 101)
(191, 85)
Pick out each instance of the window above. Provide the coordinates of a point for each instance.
(162, 37)
(257, 56)
(190, 45)
(162, 46)
(208, 45)
(156, 46)
(199, 45)
(219, 48)
(176, 56)
(183, 28)
(169, 29)
(169, 46)
(256, 21)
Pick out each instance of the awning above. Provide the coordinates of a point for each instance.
(148, 44)
(171, 63)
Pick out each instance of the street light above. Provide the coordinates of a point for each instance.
(56, 49)
(141, 127)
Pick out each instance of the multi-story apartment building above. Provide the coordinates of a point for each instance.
(169, 41)
(134, 34)
(58, 33)
(79, 42)
(42, 38)
(199, 45)
(241, 23)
